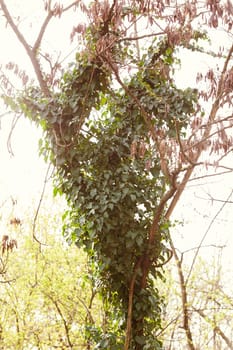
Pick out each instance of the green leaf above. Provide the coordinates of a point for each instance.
(140, 340)
(93, 192)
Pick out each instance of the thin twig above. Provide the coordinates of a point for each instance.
(64, 321)
(183, 282)
(8, 281)
(13, 125)
(217, 329)
(47, 176)
(205, 234)
(75, 3)
(212, 199)
(207, 132)
(210, 175)
(140, 37)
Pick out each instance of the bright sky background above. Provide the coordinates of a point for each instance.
(22, 176)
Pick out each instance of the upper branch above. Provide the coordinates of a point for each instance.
(71, 5)
(30, 52)
(212, 117)
(41, 33)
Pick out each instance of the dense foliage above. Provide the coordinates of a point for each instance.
(50, 294)
(46, 293)
(109, 169)
(124, 141)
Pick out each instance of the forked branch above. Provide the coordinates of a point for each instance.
(211, 120)
(31, 53)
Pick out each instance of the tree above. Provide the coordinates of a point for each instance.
(209, 308)
(47, 294)
(125, 140)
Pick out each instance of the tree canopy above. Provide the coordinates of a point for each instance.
(125, 140)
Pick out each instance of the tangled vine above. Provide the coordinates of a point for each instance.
(105, 143)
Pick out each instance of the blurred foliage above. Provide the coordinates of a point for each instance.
(47, 296)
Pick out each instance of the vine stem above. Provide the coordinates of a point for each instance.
(130, 305)
(153, 230)
(175, 193)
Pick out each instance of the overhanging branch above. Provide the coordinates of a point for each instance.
(206, 135)
(28, 49)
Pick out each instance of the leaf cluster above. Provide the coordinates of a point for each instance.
(108, 166)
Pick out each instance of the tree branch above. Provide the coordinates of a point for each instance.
(184, 298)
(38, 208)
(135, 38)
(28, 49)
(41, 33)
(211, 175)
(130, 305)
(184, 282)
(206, 232)
(71, 5)
(206, 134)
(217, 329)
(66, 325)
(152, 235)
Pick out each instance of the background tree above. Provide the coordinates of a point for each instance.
(125, 146)
(47, 294)
(209, 308)
(31, 312)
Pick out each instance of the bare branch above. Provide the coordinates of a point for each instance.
(28, 49)
(75, 3)
(211, 175)
(8, 281)
(227, 168)
(204, 246)
(212, 199)
(217, 329)
(13, 125)
(46, 22)
(135, 38)
(184, 298)
(41, 33)
(206, 134)
(38, 208)
(64, 321)
(205, 234)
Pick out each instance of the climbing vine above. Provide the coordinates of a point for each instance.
(124, 141)
(109, 167)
